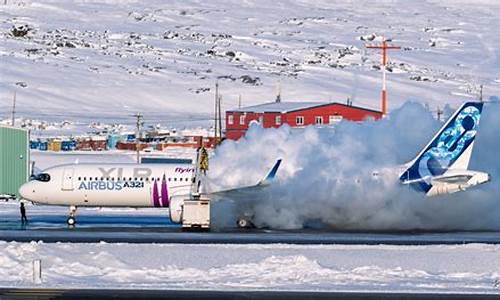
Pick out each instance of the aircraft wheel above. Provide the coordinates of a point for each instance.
(244, 223)
(71, 221)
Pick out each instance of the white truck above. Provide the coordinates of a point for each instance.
(196, 214)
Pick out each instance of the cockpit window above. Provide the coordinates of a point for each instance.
(45, 177)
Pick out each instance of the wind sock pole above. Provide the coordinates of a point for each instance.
(384, 46)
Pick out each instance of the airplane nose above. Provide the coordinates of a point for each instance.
(26, 191)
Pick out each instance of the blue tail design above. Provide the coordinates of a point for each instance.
(447, 148)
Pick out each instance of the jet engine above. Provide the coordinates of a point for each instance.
(176, 209)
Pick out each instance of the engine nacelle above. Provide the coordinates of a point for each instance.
(176, 209)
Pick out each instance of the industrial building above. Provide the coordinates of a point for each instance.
(295, 114)
(14, 160)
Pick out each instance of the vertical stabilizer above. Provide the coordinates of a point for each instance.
(451, 148)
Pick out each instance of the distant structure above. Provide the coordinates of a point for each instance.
(295, 114)
(384, 46)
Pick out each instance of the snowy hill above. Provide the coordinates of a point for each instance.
(96, 59)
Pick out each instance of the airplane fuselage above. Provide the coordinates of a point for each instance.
(113, 185)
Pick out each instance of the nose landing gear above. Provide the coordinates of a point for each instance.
(72, 216)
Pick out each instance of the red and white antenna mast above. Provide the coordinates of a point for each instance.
(384, 46)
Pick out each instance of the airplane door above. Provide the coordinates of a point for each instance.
(67, 181)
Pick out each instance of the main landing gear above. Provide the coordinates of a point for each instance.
(245, 221)
(72, 216)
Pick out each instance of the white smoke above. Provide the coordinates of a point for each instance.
(346, 177)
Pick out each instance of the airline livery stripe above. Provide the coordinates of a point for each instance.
(164, 192)
(156, 196)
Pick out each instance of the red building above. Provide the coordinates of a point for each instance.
(295, 114)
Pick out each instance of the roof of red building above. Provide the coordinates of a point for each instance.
(285, 107)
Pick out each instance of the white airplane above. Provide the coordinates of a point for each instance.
(120, 185)
(442, 166)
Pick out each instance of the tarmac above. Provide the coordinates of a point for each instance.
(72, 294)
(130, 227)
(154, 229)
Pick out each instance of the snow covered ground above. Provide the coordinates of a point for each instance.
(88, 60)
(464, 268)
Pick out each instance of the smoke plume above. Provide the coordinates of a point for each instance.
(346, 177)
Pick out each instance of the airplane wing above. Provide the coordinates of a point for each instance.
(242, 192)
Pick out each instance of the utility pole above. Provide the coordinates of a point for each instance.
(138, 124)
(13, 110)
(384, 46)
(481, 93)
(239, 101)
(220, 117)
(278, 92)
(216, 109)
(440, 112)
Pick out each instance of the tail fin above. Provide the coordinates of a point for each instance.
(451, 148)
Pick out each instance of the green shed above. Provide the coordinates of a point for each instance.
(14, 160)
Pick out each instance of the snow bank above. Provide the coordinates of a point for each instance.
(470, 268)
